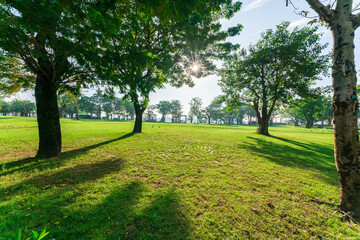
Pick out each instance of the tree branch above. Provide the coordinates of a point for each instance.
(325, 12)
(356, 21)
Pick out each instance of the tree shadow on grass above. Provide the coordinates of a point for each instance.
(296, 154)
(323, 149)
(69, 176)
(35, 162)
(40, 200)
(130, 211)
(118, 218)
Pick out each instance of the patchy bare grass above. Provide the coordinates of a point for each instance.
(174, 181)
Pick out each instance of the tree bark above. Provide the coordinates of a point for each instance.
(263, 127)
(138, 120)
(347, 151)
(344, 112)
(308, 123)
(47, 117)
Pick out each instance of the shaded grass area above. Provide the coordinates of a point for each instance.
(174, 181)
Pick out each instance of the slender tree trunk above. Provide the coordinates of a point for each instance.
(138, 120)
(77, 112)
(345, 114)
(47, 117)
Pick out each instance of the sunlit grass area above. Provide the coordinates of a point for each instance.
(174, 181)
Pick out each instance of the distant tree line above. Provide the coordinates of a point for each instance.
(23, 108)
(309, 110)
(94, 106)
(304, 111)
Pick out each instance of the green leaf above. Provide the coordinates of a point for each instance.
(18, 235)
(43, 234)
(34, 235)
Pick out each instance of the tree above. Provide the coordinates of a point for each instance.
(343, 23)
(195, 108)
(151, 49)
(293, 112)
(86, 105)
(250, 113)
(56, 40)
(281, 65)
(119, 107)
(5, 108)
(108, 107)
(310, 109)
(213, 111)
(175, 110)
(24, 107)
(326, 112)
(150, 114)
(164, 108)
(129, 108)
(64, 101)
(240, 113)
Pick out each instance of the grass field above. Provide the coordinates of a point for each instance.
(174, 181)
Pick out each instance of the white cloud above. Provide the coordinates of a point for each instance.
(255, 4)
(300, 22)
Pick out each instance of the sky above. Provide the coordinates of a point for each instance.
(256, 16)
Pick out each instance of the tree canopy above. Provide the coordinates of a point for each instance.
(144, 52)
(281, 65)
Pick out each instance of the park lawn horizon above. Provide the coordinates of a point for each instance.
(173, 181)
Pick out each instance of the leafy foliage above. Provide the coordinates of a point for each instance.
(283, 64)
(34, 235)
(14, 75)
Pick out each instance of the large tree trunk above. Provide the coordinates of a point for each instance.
(308, 123)
(263, 127)
(47, 117)
(345, 114)
(138, 120)
(343, 25)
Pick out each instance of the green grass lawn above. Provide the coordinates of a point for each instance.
(174, 181)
